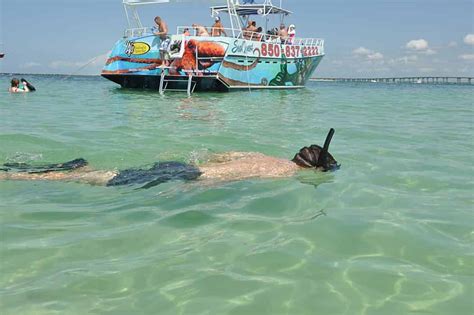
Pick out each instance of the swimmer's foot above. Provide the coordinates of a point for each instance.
(46, 168)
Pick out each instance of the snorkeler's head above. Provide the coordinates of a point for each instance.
(317, 157)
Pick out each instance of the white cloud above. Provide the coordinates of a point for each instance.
(469, 39)
(368, 54)
(30, 65)
(375, 56)
(417, 44)
(430, 52)
(404, 60)
(362, 51)
(452, 44)
(420, 46)
(467, 57)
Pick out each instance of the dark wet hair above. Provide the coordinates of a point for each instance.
(15, 82)
(317, 157)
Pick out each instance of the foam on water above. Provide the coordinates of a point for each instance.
(389, 233)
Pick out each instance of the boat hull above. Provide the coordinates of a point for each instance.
(215, 64)
(152, 82)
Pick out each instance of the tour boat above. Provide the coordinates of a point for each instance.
(240, 59)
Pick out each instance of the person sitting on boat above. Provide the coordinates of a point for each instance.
(228, 166)
(291, 34)
(200, 30)
(15, 86)
(217, 29)
(283, 33)
(250, 30)
(162, 32)
(272, 36)
(186, 32)
(258, 36)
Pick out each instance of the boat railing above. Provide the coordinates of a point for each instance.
(255, 36)
(138, 32)
(240, 34)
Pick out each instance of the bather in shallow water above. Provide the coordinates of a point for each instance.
(228, 166)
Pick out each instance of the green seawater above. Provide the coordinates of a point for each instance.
(391, 232)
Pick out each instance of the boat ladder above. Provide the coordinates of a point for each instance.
(190, 86)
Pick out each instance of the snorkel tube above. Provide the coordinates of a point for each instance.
(317, 157)
(323, 155)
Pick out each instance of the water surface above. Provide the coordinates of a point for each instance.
(391, 232)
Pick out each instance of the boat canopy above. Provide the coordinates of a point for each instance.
(144, 2)
(251, 9)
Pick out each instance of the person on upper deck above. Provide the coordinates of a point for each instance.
(217, 29)
(283, 34)
(162, 32)
(259, 35)
(250, 30)
(291, 34)
(200, 30)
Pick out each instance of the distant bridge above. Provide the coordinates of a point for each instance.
(431, 80)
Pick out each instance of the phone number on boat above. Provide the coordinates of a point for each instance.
(274, 50)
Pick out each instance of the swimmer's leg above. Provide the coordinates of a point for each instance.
(45, 168)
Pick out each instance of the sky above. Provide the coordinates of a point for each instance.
(364, 38)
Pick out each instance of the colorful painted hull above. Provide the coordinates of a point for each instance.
(215, 63)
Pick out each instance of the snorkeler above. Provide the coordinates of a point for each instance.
(227, 167)
(15, 86)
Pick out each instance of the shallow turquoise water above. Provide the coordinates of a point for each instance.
(391, 232)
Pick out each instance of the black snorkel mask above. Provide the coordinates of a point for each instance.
(316, 157)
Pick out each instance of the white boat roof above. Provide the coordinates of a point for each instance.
(142, 2)
(241, 9)
(252, 9)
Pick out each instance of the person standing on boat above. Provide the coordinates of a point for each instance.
(291, 34)
(15, 86)
(217, 29)
(165, 40)
(283, 34)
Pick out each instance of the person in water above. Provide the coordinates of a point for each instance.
(229, 166)
(15, 86)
